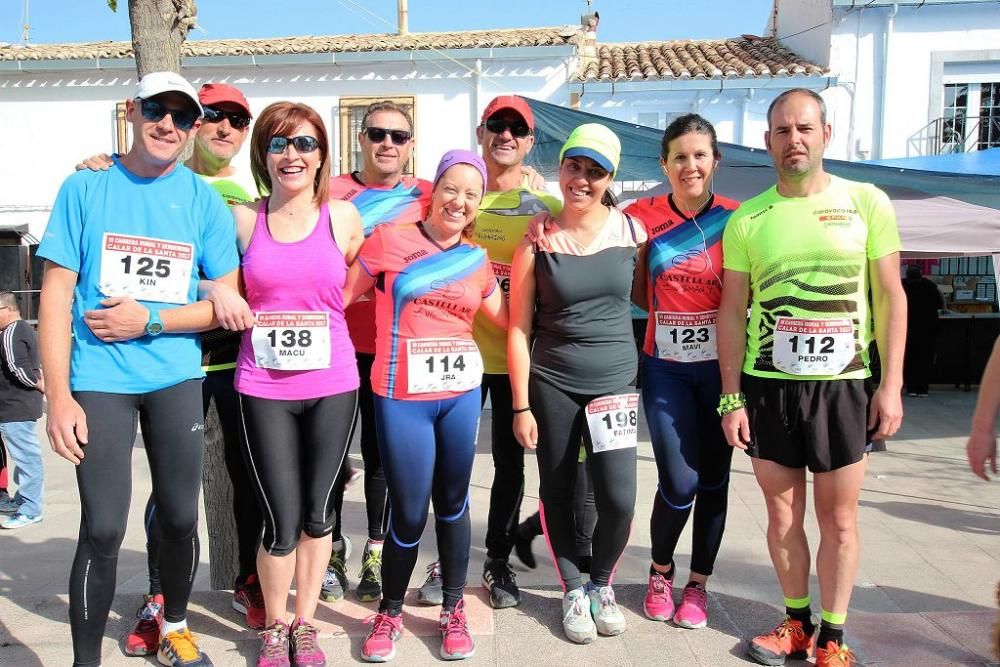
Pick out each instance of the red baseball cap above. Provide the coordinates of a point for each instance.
(217, 93)
(513, 102)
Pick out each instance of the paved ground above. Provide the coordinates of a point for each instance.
(924, 595)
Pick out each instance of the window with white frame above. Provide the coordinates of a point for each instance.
(971, 116)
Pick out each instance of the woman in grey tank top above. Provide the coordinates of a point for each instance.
(576, 379)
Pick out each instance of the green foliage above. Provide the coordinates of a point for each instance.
(113, 4)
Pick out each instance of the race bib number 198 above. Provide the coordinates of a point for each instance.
(613, 422)
(146, 269)
(813, 347)
(292, 341)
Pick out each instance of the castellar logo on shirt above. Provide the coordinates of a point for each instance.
(417, 255)
(448, 289)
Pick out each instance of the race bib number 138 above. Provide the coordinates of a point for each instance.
(292, 341)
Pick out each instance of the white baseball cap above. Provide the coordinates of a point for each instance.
(156, 83)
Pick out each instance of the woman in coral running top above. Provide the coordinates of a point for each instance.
(679, 282)
(430, 280)
(296, 373)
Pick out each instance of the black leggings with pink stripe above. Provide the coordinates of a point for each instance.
(561, 424)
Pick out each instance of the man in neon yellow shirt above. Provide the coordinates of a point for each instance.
(806, 254)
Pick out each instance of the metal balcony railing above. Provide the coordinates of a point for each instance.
(956, 135)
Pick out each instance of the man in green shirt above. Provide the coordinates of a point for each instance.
(817, 258)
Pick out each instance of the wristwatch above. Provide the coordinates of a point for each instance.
(155, 325)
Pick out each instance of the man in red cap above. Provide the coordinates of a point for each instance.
(219, 139)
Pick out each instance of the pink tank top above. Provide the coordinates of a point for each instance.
(299, 348)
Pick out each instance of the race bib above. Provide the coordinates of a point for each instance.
(292, 341)
(146, 269)
(442, 364)
(813, 347)
(686, 337)
(613, 422)
(502, 272)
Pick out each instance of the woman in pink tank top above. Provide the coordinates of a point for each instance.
(296, 373)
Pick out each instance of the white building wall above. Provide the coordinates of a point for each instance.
(922, 40)
(739, 115)
(53, 119)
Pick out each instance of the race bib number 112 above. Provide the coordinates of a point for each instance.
(813, 347)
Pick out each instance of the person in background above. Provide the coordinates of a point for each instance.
(21, 388)
(383, 194)
(923, 301)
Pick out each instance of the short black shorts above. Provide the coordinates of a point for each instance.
(819, 424)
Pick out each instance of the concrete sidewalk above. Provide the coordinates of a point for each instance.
(924, 594)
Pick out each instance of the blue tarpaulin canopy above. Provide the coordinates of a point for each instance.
(941, 212)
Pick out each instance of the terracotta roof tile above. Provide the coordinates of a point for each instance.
(746, 56)
(414, 41)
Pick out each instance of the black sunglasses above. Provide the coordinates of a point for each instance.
(303, 144)
(236, 119)
(377, 135)
(518, 128)
(154, 112)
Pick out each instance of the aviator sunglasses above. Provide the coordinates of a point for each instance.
(154, 112)
(377, 135)
(518, 128)
(236, 119)
(303, 144)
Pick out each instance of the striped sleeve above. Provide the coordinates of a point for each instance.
(18, 365)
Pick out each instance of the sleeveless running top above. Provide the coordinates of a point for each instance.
(684, 265)
(583, 324)
(300, 348)
(425, 299)
(406, 202)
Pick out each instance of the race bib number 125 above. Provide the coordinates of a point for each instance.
(146, 269)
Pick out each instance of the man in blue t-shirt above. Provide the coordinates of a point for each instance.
(118, 326)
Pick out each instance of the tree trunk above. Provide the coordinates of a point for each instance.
(218, 492)
(159, 28)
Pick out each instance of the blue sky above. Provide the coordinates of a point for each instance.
(621, 20)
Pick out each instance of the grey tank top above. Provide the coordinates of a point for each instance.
(583, 325)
